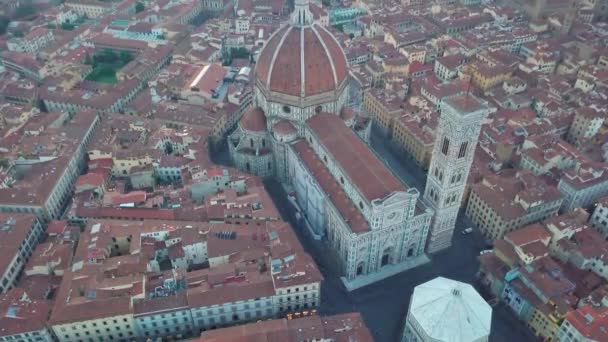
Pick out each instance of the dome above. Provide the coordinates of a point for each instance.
(254, 120)
(302, 60)
(284, 128)
(448, 310)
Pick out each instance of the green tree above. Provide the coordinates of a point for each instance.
(139, 7)
(88, 60)
(4, 21)
(125, 57)
(67, 26)
(239, 53)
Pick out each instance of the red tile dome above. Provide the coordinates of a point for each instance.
(284, 128)
(302, 61)
(254, 120)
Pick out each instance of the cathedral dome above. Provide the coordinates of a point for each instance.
(301, 60)
(253, 120)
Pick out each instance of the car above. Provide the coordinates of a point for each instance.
(467, 231)
(485, 252)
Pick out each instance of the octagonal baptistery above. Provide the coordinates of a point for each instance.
(301, 71)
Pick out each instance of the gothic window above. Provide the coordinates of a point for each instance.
(445, 146)
(463, 149)
(459, 178)
(361, 205)
(441, 176)
(453, 179)
(341, 180)
(325, 158)
(251, 143)
(360, 269)
(263, 142)
(248, 167)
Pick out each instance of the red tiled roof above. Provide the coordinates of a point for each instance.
(283, 127)
(291, 66)
(590, 322)
(369, 175)
(93, 179)
(343, 204)
(254, 120)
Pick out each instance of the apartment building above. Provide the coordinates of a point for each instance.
(24, 318)
(20, 233)
(118, 288)
(599, 217)
(42, 184)
(501, 204)
(585, 324)
(582, 185)
(89, 8)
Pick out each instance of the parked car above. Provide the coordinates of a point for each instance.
(467, 231)
(485, 252)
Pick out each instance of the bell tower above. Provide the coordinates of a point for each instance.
(455, 142)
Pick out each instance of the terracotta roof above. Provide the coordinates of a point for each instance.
(528, 234)
(283, 127)
(340, 328)
(302, 61)
(368, 174)
(591, 322)
(254, 120)
(343, 204)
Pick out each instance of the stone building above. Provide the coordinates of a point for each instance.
(300, 132)
(447, 310)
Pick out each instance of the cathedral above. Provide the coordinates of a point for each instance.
(300, 131)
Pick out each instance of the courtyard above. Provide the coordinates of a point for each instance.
(106, 64)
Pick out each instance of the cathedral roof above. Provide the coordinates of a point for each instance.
(302, 61)
(254, 120)
(283, 127)
(367, 173)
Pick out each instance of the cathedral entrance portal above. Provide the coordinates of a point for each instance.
(386, 256)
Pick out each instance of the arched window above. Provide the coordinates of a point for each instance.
(463, 149)
(286, 109)
(251, 142)
(361, 205)
(318, 109)
(445, 146)
(342, 180)
(247, 166)
(263, 142)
